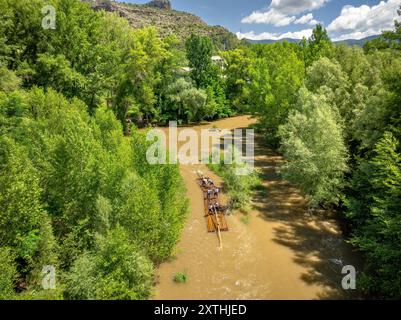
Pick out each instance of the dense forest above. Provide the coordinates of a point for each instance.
(77, 192)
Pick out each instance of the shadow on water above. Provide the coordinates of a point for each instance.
(314, 237)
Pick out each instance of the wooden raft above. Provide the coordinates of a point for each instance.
(213, 219)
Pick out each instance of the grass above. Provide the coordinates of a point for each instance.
(180, 277)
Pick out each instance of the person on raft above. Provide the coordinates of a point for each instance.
(216, 192)
(211, 209)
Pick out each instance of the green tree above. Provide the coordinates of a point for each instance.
(375, 211)
(277, 75)
(24, 225)
(81, 280)
(72, 186)
(195, 102)
(327, 77)
(312, 143)
(8, 80)
(22, 34)
(318, 45)
(175, 95)
(56, 72)
(141, 76)
(117, 270)
(170, 69)
(8, 273)
(190, 103)
(238, 73)
(199, 54)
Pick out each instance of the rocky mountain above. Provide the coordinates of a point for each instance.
(159, 13)
(161, 4)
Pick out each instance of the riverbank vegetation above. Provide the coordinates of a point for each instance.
(78, 194)
(75, 193)
(240, 181)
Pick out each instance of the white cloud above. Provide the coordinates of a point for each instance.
(364, 21)
(252, 36)
(272, 17)
(283, 12)
(275, 36)
(354, 35)
(353, 22)
(306, 19)
(307, 33)
(296, 6)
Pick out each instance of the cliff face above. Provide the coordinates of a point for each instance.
(161, 4)
(159, 13)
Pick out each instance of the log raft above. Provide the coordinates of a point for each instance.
(215, 221)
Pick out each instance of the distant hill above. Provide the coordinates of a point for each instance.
(273, 41)
(350, 42)
(360, 43)
(160, 14)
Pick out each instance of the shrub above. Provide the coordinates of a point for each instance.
(180, 277)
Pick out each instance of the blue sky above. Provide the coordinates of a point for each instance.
(275, 19)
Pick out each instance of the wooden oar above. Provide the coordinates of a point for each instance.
(218, 229)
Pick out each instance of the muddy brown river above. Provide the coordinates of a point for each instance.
(283, 252)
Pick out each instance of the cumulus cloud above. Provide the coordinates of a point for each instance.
(352, 23)
(283, 12)
(272, 17)
(306, 19)
(363, 21)
(275, 36)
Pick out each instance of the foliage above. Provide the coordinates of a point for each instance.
(207, 75)
(240, 181)
(24, 225)
(69, 179)
(180, 277)
(276, 78)
(318, 45)
(312, 142)
(199, 55)
(375, 210)
(8, 273)
(116, 270)
(238, 73)
(141, 75)
(9, 82)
